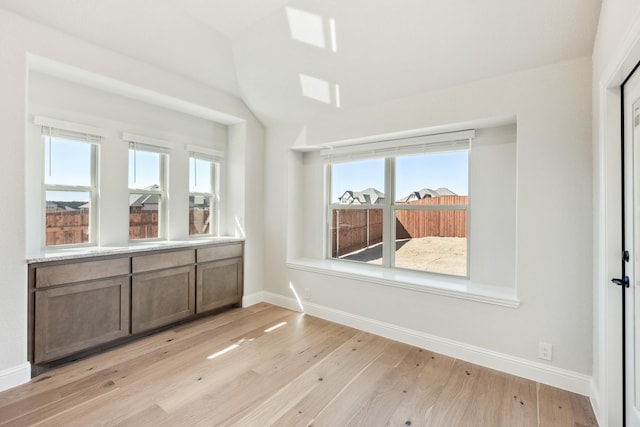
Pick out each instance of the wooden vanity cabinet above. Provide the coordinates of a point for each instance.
(79, 306)
(162, 289)
(219, 277)
(82, 304)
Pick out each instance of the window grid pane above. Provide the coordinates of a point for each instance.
(144, 218)
(203, 215)
(431, 235)
(145, 170)
(432, 175)
(146, 194)
(68, 190)
(67, 162)
(201, 219)
(200, 176)
(432, 240)
(67, 217)
(356, 234)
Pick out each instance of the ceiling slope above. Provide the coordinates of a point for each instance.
(376, 50)
(292, 60)
(154, 31)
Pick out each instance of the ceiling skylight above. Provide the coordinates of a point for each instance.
(315, 88)
(306, 27)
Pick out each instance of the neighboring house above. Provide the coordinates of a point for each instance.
(426, 193)
(52, 206)
(60, 206)
(144, 202)
(369, 196)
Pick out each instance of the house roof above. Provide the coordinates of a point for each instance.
(426, 193)
(145, 201)
(368, 196)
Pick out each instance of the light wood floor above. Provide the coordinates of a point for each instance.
(306, 372)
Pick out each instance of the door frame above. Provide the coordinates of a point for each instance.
(630, 170)
(606, 395)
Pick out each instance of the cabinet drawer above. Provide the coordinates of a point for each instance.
(73, 318)
(80, 272)
(164, 260)
(214, 253)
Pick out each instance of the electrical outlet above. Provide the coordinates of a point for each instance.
(545, 351)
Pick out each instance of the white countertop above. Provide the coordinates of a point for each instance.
(61, 254)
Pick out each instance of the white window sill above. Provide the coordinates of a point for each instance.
(413, 280)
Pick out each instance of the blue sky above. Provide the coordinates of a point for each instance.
(144, 169)
(69, 163)
(199, 176)
(413, 173)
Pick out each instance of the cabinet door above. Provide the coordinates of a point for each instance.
(73, 318)
(162, 297)
(219, 283)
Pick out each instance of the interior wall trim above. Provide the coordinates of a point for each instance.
(253, 299)
(594, 398)
(15, 376)
(540, 372)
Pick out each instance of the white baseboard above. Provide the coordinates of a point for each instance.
(550, 375)
(15, 376)
(252, 299)
(282, 301)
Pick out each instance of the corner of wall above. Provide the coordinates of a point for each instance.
(15, 376)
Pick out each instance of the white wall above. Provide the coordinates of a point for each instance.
(616, 51)
(553, 221)
(22, 43)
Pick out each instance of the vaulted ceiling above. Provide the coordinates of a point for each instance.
(291, 60)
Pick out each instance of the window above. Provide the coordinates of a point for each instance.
(203, 195)
(69, 187)
(431, 216)
(357, 195)
(147, 195)
(402, 205)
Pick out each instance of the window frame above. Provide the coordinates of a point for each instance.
(390, 151)
(214, 195)
(163, 156)
(47, 136)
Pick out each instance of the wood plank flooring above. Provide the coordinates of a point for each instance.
(230, 369)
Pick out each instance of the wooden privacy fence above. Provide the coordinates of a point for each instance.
(143, 225)
(72, 227)
(440, 223)
(355, 229)
(67, 227)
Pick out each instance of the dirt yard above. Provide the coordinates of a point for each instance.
(446, 255)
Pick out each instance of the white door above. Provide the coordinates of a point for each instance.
(631, 129)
